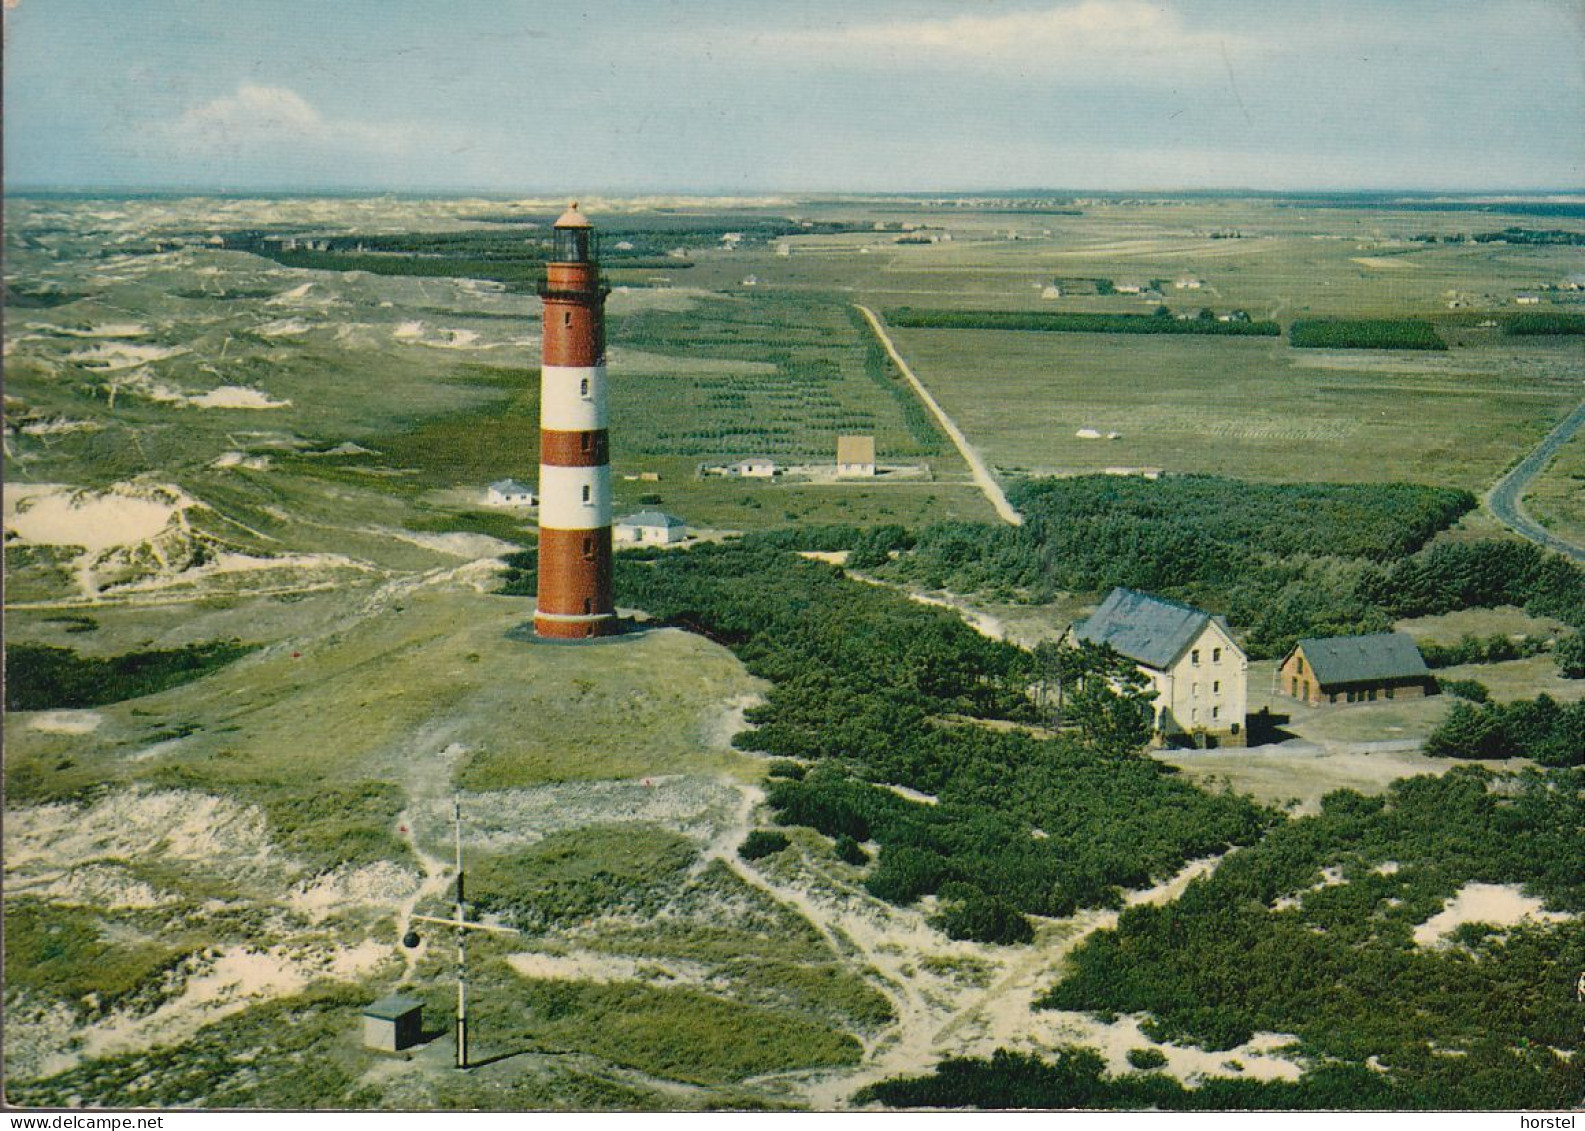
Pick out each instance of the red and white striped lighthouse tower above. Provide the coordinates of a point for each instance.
(574, 455)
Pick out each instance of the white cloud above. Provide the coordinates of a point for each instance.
(1120, 35)
(264, 117)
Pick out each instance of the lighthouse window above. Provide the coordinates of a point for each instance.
(566, 318)
(586, 492)
(583, 387)
(585, 440)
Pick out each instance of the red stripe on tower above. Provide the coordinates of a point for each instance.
(575, 597)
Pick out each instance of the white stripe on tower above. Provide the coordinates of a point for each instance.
(572, 398)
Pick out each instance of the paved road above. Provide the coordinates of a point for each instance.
(1506, 498)
(982, 474)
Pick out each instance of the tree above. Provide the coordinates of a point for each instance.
(1570, 656)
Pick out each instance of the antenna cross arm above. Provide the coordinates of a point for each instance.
(470, 926)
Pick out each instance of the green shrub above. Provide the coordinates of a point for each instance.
(40, 677)
(1471, 689)
(850, 851)
(967, 912)
(1147, 1059)
(762, 843)
(1365, 334)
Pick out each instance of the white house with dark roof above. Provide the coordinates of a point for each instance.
(509, 493)
(1355, 669)
(1199, 672)
(755, 467)
(650, 528)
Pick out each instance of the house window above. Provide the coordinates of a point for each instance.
(1216, 655)
(1388, 692)
(1194, 656)
(1194, 715)
(1216, 712)
(1216, 687)
(1194, 690)
(1300, 662)
(586, 492)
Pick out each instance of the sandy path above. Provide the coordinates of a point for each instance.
(982, 474)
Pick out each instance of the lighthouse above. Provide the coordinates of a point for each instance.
(574, 599)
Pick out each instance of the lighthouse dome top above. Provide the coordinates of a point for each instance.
(572, 218)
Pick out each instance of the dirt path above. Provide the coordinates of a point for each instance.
(982, 474)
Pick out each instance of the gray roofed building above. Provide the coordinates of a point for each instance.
(1196, 668)
(1357, 659)
(1148, 630)
(1354, 669)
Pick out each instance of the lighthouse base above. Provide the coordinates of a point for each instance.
(554, 626)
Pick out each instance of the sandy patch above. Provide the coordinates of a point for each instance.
(295, 295)
(382, 883)
(911, 794)
(103, 330)
(459, 544)
(139, 824)
(1382, 263)
(235, 396)
(59, 426)
(283, 328)
(124, 515)
(122, 355)
(1502, 905)
(588, 966)
(224, 983)
(242, 460)
(66, 722)
(108, 887)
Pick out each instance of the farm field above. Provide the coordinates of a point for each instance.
(258, 481)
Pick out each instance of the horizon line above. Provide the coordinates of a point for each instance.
(36, 189)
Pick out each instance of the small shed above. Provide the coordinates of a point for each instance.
(1355, 669)
(855, 456)
(650, 528)
(393, 1023)
(509, 493)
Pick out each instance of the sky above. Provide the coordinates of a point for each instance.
(643, 96)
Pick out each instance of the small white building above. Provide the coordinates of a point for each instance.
(855, 457)
(650, 528)
(1528, 300)
(1051, 291)
(1200, 675)
(755, 467)
(510, 493)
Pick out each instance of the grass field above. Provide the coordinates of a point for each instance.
(1243, 408)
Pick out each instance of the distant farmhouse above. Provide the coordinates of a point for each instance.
(650, 528)
(1198, 671)
(855, 456)
(1355, 669)
(509, 493)
(756, 467)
